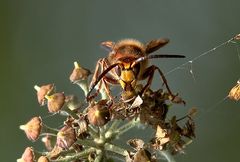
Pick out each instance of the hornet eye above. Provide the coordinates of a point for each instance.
(118, 70)
(136, 69)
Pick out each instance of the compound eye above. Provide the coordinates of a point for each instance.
(118, 70)
(136, 69)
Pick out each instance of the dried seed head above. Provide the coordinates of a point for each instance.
(55, 102)
(27, 156)
(234, 93)
(43, 91)
(98, 114)
(33, 128)
(43, 159)
(79, 73)
(66, 137)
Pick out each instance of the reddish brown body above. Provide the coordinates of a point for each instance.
(126, 64)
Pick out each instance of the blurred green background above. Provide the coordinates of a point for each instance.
(40, 40)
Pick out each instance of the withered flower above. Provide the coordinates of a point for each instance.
(43, 91)
(98, 114)
(43, 159)
(55, 102)
(79, 73)
(27, 156)
(234, 93)
(66, 137)
(32, 128)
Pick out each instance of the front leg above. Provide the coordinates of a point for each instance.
(149, 73)
(94, 78)
(101, 84)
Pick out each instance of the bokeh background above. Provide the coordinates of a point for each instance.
(40, 40)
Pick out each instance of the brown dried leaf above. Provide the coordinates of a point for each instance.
(137, 102)
(161, 137)
(142, 155)
(160, 133)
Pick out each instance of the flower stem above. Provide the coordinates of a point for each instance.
(115, 149)
(89, 143)
(76, 156)
(93, 132)
(48, 130)
(70, 112)
(83, 84)
(167, 156)
(99, 157)
(110, 132)
(127, 126)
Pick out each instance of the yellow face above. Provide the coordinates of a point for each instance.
(127, 78)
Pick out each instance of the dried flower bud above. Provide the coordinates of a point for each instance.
(48, 142)
(43, 91)
(43, 159)
(192, 112)
(136, 143)
(27, 156)
(55, 102)
(33, 128)
(237, 37)
(72, 102)
(99, 114)
(55, 152)
(66, 137)
(234, 93)
(79, 73)
(189, 129)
